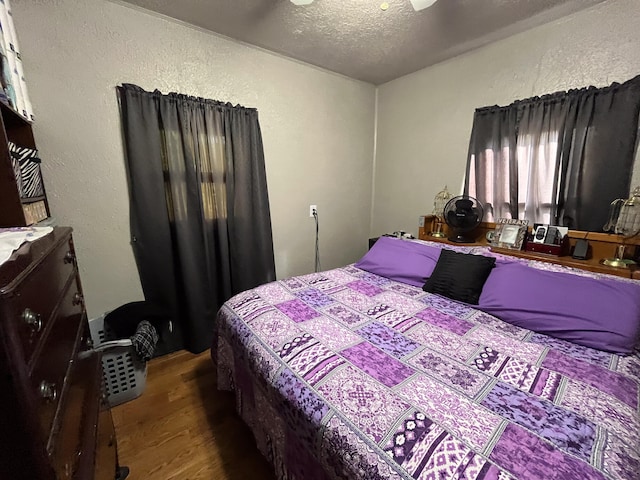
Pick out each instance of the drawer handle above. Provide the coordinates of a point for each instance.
(48, 391)
(32, 319)
(69, 257)
(78, 298)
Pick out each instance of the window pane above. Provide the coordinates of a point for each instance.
(536, 157)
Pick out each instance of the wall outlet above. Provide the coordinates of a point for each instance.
(312, 208)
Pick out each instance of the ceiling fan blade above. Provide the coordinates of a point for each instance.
(301, 2)
(421, 4)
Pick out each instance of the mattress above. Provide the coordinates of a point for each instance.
(347, 374)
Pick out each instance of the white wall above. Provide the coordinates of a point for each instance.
(425, 119)
(317, 130)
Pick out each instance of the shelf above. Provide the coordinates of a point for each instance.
(602, 245)
(12, 118)
(15, 211)
(26, 201)
(592, 264)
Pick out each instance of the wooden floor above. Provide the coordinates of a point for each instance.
(183, 428)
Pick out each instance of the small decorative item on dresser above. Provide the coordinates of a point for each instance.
(490, 236)
(627, 225)
(510, 233)
(439, 202)
(548, 239)
(34, 212)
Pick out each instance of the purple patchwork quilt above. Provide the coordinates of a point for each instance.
(346, 374)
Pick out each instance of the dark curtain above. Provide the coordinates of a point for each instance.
(596, 134)
(493, 135)
(598, 151)
(200, 220)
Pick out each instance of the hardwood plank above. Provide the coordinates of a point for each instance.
(182, 427)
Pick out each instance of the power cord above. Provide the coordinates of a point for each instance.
(315, 216)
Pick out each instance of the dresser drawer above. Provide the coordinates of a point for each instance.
(50, 367)
(75, 444)
(106, 453)
(34, 299)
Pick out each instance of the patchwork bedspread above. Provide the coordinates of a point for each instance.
(345, 374)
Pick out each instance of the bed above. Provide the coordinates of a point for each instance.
(349, 374)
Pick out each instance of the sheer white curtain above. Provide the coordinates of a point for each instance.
(494, 188)
(537, 164)
(517, 175)
(492, 166)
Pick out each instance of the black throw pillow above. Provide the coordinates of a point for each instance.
(459, 276)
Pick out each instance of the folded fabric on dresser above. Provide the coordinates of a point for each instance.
(12, 238)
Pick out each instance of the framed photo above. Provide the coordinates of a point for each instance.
(510, 233)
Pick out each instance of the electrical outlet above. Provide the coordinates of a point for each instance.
(312, 208)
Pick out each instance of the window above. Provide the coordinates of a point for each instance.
(536, 158)
(209, 170)
(560, 158)
(518, 180)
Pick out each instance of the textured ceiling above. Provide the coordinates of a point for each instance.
(357, 38)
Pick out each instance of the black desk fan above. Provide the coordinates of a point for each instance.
(462, 213)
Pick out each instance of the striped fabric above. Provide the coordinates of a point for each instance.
(30, 176)
(145, 340)
(17, 175)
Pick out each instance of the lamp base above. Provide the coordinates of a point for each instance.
(438, 233)
(618, 262)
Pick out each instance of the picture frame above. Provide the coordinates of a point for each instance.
(510, 233)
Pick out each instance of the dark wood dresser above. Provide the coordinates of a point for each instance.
(55, 424)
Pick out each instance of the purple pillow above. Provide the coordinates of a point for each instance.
(400, 260)
(597, 313)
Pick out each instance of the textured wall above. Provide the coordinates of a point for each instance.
(359, 39)
(425, 119)
(317, 129)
